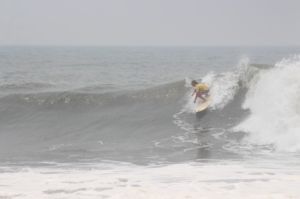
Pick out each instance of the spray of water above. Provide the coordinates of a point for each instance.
(274, 102)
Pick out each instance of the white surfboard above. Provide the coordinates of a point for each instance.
(203, 105)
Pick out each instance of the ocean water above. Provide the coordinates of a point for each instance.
(119, 122)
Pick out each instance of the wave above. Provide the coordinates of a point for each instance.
(273, 99)
(88, 123)
(262, 104)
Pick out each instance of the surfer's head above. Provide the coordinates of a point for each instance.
(194, 83)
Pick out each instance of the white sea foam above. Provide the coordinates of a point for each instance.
(274, 101)
(190, 180)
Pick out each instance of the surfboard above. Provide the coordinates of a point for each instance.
(203, 105)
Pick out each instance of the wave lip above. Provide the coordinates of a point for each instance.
(163, 93)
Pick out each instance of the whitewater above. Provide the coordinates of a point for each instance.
(119, 122)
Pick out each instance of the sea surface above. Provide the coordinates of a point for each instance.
(119, 122)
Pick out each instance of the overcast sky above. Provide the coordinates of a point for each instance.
(150, 22)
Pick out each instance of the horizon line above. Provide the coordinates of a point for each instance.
(148, 45)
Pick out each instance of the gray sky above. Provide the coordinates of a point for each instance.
(150, 22)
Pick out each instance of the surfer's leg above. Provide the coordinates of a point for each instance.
(199, 94)
(203, 98)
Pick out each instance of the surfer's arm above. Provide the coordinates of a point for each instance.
(195, 98)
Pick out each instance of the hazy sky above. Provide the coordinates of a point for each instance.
(150, 22)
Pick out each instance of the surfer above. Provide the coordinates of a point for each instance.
(201, 90)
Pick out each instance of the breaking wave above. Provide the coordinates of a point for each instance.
(273, 99)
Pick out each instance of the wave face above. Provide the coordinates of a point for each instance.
(255, 107)
(77, 125)
(274, 102)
